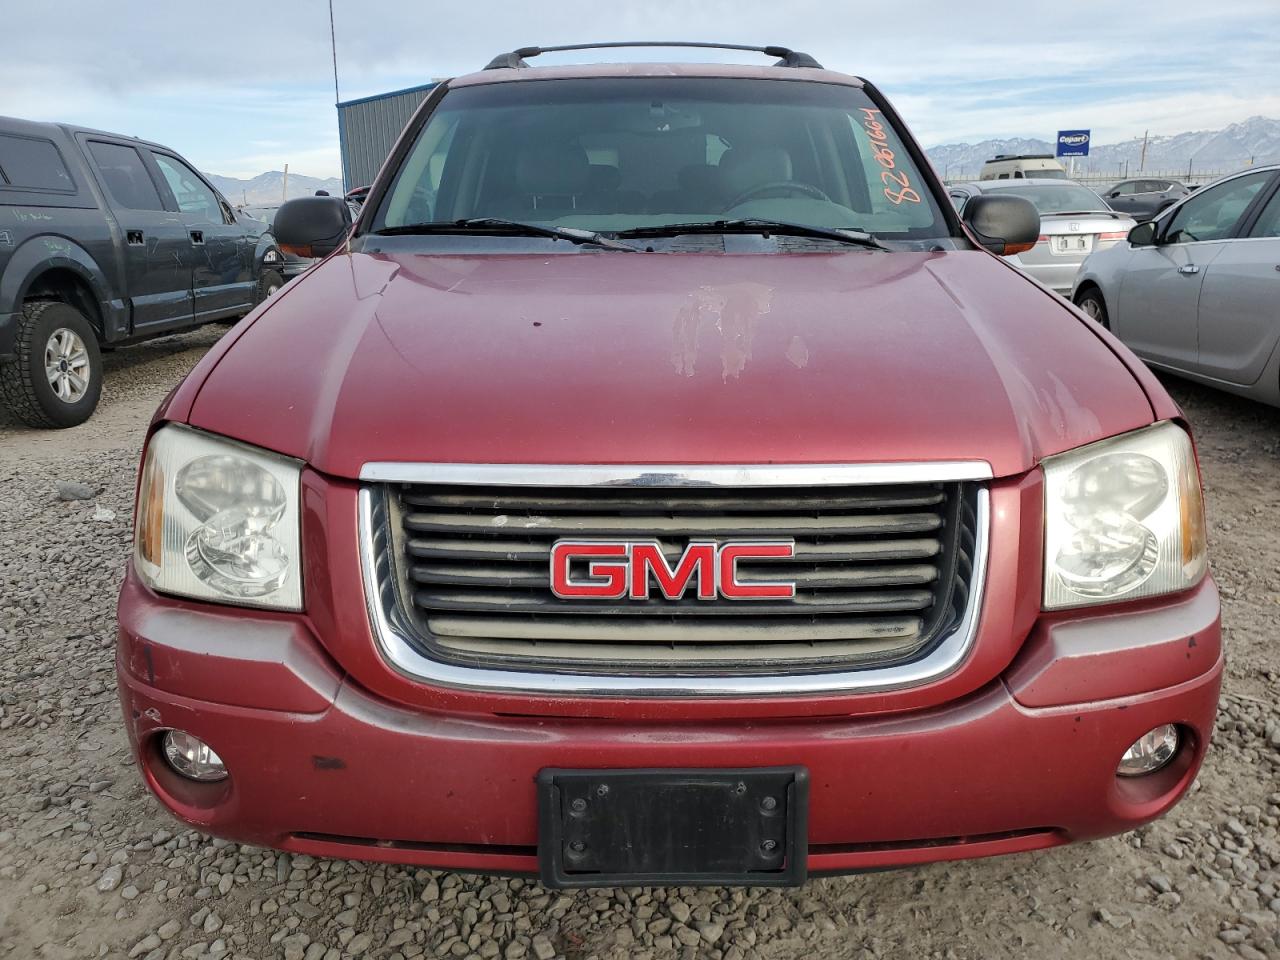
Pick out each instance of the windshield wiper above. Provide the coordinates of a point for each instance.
(498, 225)
(758, 225)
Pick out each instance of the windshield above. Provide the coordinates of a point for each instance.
(1058, 198)
(613, 154)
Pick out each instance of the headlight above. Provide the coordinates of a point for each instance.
(1124, 518)
(218, 521)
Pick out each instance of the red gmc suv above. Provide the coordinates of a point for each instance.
(659, 483)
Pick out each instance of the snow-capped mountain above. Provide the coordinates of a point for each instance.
(1256, 140)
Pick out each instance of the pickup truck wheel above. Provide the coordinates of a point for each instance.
(55, 378)
(269, 283)
(1090, 301)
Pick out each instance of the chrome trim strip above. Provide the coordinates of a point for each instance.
(684, 475)
(400, 652)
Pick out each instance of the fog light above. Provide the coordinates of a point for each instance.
(1150, 752)
(192, 757)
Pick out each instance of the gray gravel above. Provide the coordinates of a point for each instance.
(91, 867)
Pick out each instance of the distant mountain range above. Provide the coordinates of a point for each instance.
(266, 189)
(1255, 140)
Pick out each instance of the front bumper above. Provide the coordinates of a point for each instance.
(319, 765)
(1058, 277)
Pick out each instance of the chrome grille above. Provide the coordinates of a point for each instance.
(881, 573)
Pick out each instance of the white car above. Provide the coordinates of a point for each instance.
(1195, 291)
(1074, 222)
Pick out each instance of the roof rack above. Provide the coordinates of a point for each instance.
(516, 58)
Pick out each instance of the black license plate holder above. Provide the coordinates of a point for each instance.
(658, 827)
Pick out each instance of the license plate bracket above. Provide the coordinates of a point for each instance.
(601, 828)
(1073, 243)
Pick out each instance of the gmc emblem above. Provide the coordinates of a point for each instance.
(627, 568)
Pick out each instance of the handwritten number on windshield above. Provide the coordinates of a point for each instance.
(897, 187)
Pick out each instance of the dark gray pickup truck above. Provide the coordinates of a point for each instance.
(105, 240)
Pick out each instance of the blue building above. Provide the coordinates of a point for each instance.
(368, 129)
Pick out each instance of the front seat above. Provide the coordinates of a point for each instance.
(551, 181)
(745, 168)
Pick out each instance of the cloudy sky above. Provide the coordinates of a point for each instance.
(242, 87)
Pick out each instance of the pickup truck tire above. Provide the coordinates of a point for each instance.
(269, 283)
(55, 377)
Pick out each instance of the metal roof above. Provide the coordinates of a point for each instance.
(393, 93)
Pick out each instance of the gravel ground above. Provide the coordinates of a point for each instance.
(90, 866)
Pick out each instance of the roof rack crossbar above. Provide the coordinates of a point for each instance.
(787, 57)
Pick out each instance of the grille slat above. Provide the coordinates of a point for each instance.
(813, 551)
(535, 575)
(647, 502)
(497, 525)
(805, 604)
(878, 570)
(671, 635)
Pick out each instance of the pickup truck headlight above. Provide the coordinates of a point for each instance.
(218, 520)
(1124, 518)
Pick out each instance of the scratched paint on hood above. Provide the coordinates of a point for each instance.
(684, 358)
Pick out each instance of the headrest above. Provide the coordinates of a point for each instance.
(553, 169)
(747, 167)
(604, 177)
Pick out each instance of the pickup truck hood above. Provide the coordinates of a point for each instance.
(601, 357)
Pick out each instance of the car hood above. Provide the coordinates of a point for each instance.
(599, 357)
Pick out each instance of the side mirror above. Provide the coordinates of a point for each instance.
(1113, 194)
(311, 226)
(1143, 235)
(1004, 225)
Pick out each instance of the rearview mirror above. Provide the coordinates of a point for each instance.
(1004, 225)
(312, 226)
(1143, 235)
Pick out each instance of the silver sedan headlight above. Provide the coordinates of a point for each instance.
(219, 520)
(1124, 518)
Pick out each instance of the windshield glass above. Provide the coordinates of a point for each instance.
(1058, 198)
(613, 154)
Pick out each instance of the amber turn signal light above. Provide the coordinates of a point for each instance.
(151, 512)
(1012, 248)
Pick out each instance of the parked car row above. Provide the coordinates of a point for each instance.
(1195, 290)
(107, 239)
(117, 239)
(1074, 221)
(1144, 199)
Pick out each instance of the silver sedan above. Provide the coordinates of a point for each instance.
(1074, 222)
(1197, 290)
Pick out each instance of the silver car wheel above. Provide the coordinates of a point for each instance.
(1091, 308)
(66, 364)
(271, 290)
